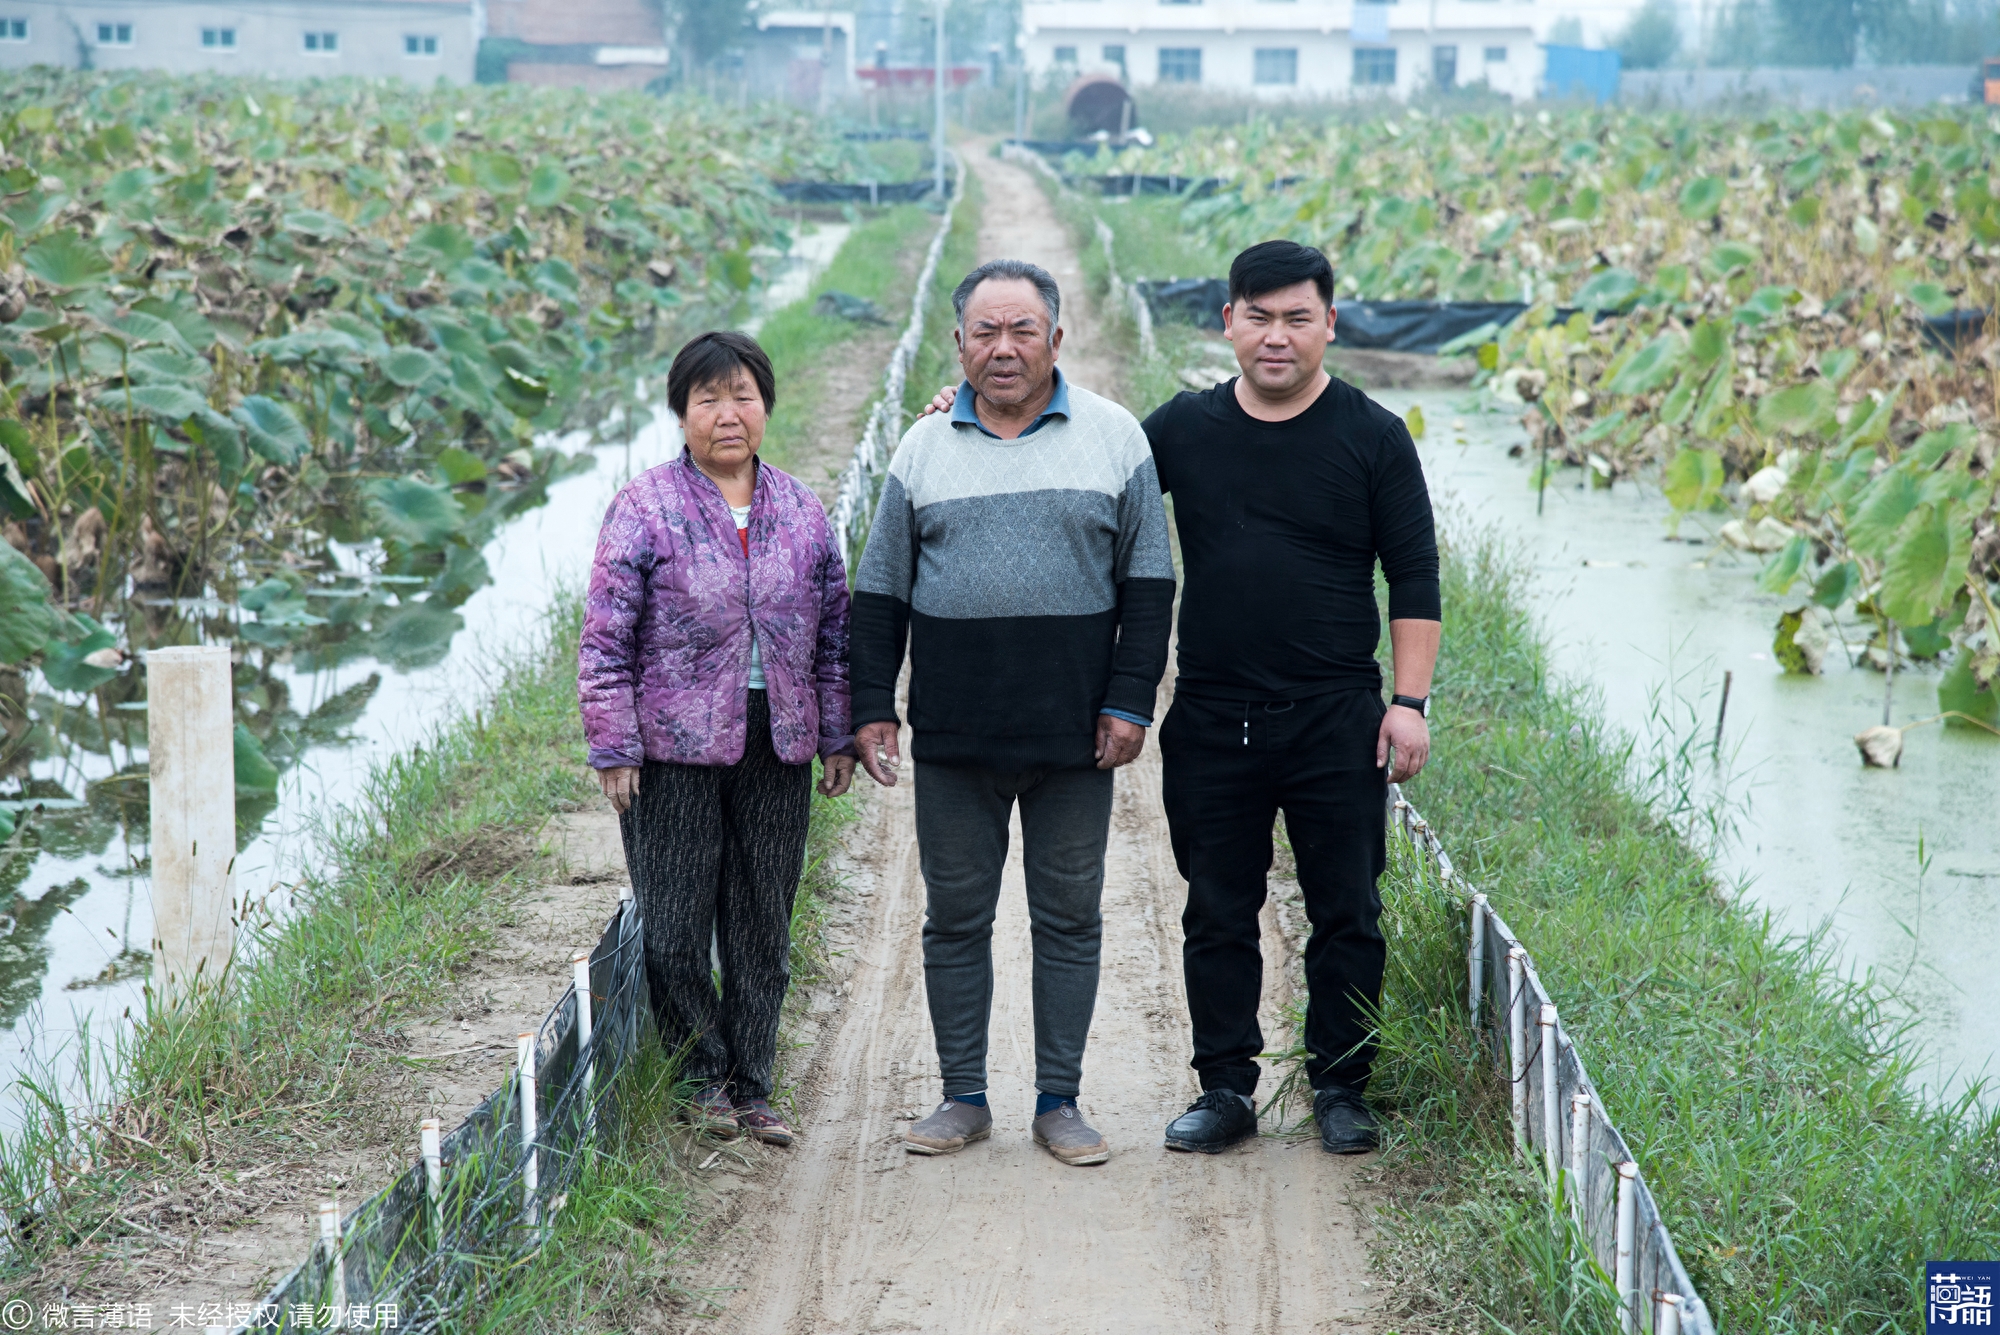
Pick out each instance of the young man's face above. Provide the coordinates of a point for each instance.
(1280, 337)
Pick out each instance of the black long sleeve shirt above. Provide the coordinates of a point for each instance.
(1281, 524)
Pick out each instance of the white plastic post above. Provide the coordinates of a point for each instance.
(430, 1142)
(1579, 1152)
(1622, 1240)
(579, 965)
(329, 1238)
(1475, 961)
(1551, 1100)
(191, 758)
(1667, 1318)
(1517, 1043)
(531, 1159)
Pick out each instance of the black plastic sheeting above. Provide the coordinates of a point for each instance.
(1395, 326)
(856, 192)
(1948, 331)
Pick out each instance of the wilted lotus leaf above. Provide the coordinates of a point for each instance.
(1880, 747)
(1802, 640)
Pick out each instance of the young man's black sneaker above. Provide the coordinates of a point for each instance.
(1345, 1124)
(1215, 1121)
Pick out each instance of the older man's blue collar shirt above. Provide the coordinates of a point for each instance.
(964, 414)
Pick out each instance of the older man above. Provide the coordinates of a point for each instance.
(1020, 550)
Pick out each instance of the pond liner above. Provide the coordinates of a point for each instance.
(853, 192)
(1952, 330)
(1390, 326)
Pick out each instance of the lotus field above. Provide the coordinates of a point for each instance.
(239, 320)
(1784, 321)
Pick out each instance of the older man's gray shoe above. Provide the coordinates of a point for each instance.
(1063, 1132)
(950, 1129)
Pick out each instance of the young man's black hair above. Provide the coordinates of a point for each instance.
(1270, 265)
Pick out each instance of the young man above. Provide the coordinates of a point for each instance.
(1020, 548)
(1288, 485)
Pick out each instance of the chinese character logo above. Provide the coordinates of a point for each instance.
(1958, 1295)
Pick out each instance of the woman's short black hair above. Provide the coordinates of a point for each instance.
(714, 358)
(1270, 265)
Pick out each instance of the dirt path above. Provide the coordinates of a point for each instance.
(846, 1233)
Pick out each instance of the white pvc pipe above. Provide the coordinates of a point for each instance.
(1517, 1044)
(531, 1164)
(1579, 1152)
(1667, 1315)
(191, 762)
(579, 965)
(430, 1143)
(329, 1238)
(1551, 1100)
(1628, 1224)
(1475, 965)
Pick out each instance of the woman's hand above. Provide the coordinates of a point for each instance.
(942, 403)
(836, 775)
(620, 785)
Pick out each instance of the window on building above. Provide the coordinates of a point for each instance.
(1444, 66)
(1276, 65)
(420, 44)
(1180, 2)
(1115, 55)
(323, 43)
(13, 30)
(1180, 64)
(1496, 55)
(1375, 65)
(114, 34)
(1065, 55)
(219, 39)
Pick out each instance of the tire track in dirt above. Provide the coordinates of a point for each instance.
(846, 1233)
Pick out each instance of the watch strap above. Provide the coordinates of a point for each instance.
(1422, 704)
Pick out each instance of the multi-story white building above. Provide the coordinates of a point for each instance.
(1292, 48)
(418, 40)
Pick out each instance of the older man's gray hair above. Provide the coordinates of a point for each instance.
(1005, 270)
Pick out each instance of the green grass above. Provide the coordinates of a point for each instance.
(937, 357)
(280, 1060)
(875, 262)
(1150, 243)
(1766, 1099)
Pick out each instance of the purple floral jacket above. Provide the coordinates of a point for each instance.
(664, 668)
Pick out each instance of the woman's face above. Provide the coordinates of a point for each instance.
(724, 423)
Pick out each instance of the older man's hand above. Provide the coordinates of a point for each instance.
(1119, 741)
(879, 754)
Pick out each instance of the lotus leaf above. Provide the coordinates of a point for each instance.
(1879, 511)
(1959, 692)
(410, 367)
(1926, 568)
(27, 622)
(272, 430)
(1802, 410)
(443, 244)
(222, 437)
(1836, 584)
(1650, 367)
(498, 171)
(1702, 197)
(1693, 480)
(66, 260)
(548, 186)
(63, 663)
(1784, 569)
(254, 771)
(169, 403)
(1607, 290)
(460, 466)
(414, 511)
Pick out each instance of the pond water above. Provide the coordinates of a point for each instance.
(362, 670)
(1822, 843)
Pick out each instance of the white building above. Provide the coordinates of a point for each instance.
(420, 41)
(1291, 48)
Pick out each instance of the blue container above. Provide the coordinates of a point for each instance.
(1581, 71)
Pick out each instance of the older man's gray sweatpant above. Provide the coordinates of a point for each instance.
(962, 818)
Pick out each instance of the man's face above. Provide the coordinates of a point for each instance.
(1005, 347)
(1280, 337)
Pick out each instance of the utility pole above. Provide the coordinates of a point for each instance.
(937, 133)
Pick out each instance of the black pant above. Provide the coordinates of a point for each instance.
(717, 850)
(1229, 768)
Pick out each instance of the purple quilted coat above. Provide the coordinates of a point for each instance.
(664, 666)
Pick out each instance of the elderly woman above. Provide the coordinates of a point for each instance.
(713, 668)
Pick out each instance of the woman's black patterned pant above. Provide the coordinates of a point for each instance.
(720, 847)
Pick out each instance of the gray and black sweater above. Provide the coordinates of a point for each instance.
(1031, 580)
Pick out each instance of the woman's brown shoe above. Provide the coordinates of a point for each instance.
(713, 1114)
(756, 1117)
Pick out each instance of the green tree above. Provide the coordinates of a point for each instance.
(1816, 32)
(708, 28)
(1651, 38)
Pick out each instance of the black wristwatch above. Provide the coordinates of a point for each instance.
(1420, 703)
